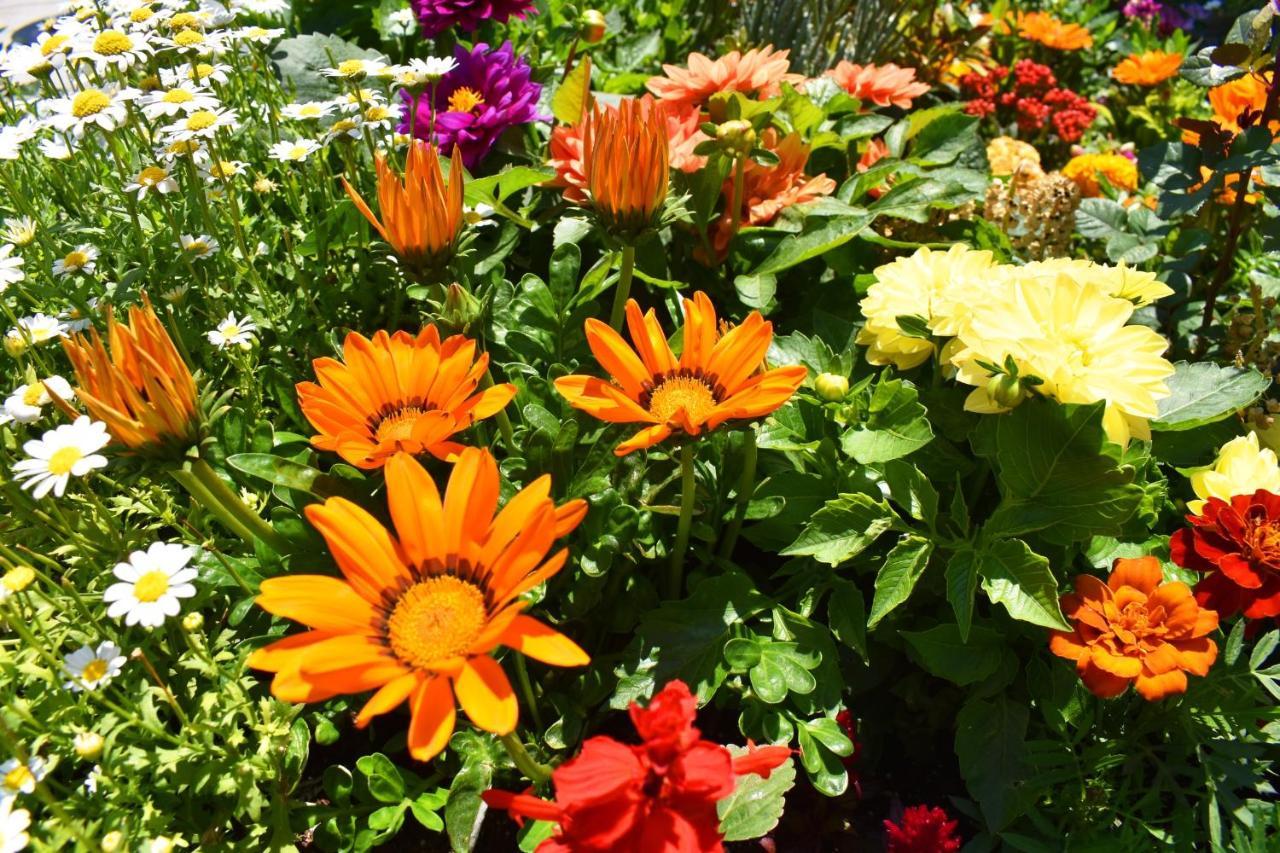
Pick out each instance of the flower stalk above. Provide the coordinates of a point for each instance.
(537, 773)
(746, 488)
(623, 291)
(688, 487)
(204, 484)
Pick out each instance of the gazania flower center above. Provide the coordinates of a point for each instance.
(398, 426)
(112, 43)
(677, 393)
(465, 100)
(151, 586)
(89, 102)
(94, 671)
(436, 619)
(202, 120)
(19, 778)
(63, 460)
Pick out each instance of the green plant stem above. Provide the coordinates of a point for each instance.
(739, 186)
(532, 770)
(675, 572)
(623, 291)
(746, 487)
(204, 484)
(526, 687)
(504, 422)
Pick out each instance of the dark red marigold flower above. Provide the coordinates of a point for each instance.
(1237, 545)
(922, 830)
(657, 797)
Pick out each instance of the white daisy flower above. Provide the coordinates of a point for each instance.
(56, 46)
(73, 320)
(351, 127)
(175, 293)
(20, 231)
(421, 73)
(89, 108)
(358, 102)
(70, 450)
(382, 116)
(139, 16)
(152, 179)
(113, 49)
(294, 152)
(308, 110)
(20, 777)
(201, 124)
(14, 824)
(151, 584)
(192, 149)
(257, 35)
(14, 136)
(89, 668)
(203, 73)
(185, 97)
(193, 42)
(82, 259)
(25, 64)
(198, 248)
(26, 403)
(57, 148)
(10, 267)
(39, 328)
(402, 22)
(232, 332)
(222, 170)
(356, 69)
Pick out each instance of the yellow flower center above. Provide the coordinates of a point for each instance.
(224, 169)
(376, 113)
(94, 671)
(18, 778)
(183, 146)
(436, 619)
(202, 71)
(188, 38)
(75, 260)
(310, 111)
(682, 392)
(18, 578)
(201, 120)
(151, 586)
(351, 67)
(150, 83)
(398, 426)
(343, 126)
(255, 32)
(298, 152)
(54, 44)
(183, 21)
(63, 460)
(34, 395)
(151, 176)
(89, 102)
(465, 100)
(198, 247)
(112, 43)
(141, 15)
(231, 331)
(178, 96)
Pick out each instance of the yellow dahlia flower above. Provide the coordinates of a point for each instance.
(1123, 282)
(1242, 467)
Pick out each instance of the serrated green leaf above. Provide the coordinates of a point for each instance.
(1204, 392)
(842, 529)
(1020, 579)
(897, 577)
(895, 425)
(962, 586)
(756, 804)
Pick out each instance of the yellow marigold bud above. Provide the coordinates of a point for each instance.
(832, 387)
(88, 745)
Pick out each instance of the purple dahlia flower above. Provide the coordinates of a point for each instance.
(476, 102)
(436, 16)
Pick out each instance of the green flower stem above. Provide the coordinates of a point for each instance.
(532, 770)
(623, 291)
(688, 486)
(504, 422)
(526, 687)
(739, 186)
(207, 487)
(746, 487)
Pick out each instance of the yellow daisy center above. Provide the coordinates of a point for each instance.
(94, 671)
(197, 247)
(436, 619)
(465, 100)
(19, 778)
(112, 43)
(63, 460)
(89, 102)
(183, 146)
(178, 96)
(183, 21)
(343, 126)
(151, 176)
(310, 110)
(151, 586)
(682, 392)
(202, 71)
(224, 169)
(376, 113)
(54, 44)
(34, 395)
(150, 83)
(201, 120)
(141, 15)
(75, 260)
(298, 152)
(351, 67)
(188, 38)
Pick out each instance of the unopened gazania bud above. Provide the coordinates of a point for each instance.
(461, 309)
(832, 387)
(592, 25)
(193, 622)
(88, 745)
(738, 136)
(17, 579)
(1008, 391)
(112, 841)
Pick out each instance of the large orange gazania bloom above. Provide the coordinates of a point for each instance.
(749, 73)
(717, 378)
(416, 615)
(1133, 629)
(137, 384)
(1050, 32)
(398, 393)
(1147, 69)
(882, 85)
(625, 163)
(421, 214)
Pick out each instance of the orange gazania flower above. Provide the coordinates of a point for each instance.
(415, 615)
(1147, 69)
(1133, 629)
(717, 378)
(882, 85)
(749, 73)
(625, 162)
(421, 214)
(139, 387)
(398, 393)
(1050, 32)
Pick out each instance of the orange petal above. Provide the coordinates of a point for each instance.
(1196, 656)
(1141, 573)
(1067, 645)
(416, 509)
(1100, 682)
(1118, 665)
(542, 642)
(433, 716)
(362, 548)
(619, 360)
(470, 500)
(317, 601)
(647, 437)
(388, 697)
(602, 400)
(1154, 687)
(485, 694)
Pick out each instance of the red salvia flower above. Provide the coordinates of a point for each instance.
(1237, 545)
(655, 797)
(922, 830)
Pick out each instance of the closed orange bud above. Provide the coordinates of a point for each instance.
(625, 160)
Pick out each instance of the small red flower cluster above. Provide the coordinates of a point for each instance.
(922, 830)
(1031, 97)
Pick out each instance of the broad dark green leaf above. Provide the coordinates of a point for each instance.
(1204, 392)
(991, 745)
(842, 529)
(942, 651)
(1020, 579)
(962, 586)
(897, 577)
(818, 235)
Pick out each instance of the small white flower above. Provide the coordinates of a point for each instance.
(113, 48)
(201, 124)
(232, 332)
(70, 450)
(175, 293)
(308, 110)
(382, 116)
(82, 259)
(14, 824)
(356, 69)
(351, 127)
(402, 22)
(198, 248)
(151, 584)
(10, 267)
(20, 777)
(152, 179)
(222, 170)
(202, 73)
(257, 35)
(138, 16)
(14, 136)
(89, 668)
(192, 42)
(358, 102)
(102, 108)
(91, 779)
(20, 231)
(39, 328)
(421, 73)
(57, 149)
(185, 97)
(294, 152)
(26, 404)
(191, 149)
(74, 320)
(25, 64)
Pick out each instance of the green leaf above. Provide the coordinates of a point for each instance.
(295, 756)
(847, 615)
(817, 236)
(573, 98)
(895, 425)
(756, 804)
(783, 669)
(825, 769)
(1102, 219)
(424, 809)
(962, 586)
(991, 746)
(944, 653)
(1204, 392)
(911, 490)
(464, 810)
(897, 577)
(299, 60)
(288, 474)
(1020, 579)
(382, 777)
(944, 139)
(842, 529)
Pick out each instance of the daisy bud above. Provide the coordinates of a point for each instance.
(592, 25)
(193, 622)
(17, 579)
(15, 344)
(832, 387)
(88, 745)
(112, 841)
(738, 135)
(1006, 390)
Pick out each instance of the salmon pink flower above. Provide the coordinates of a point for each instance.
(1237, 544)
(750, 73)
(882, 85)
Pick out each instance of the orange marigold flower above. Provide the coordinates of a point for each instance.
(1050, 32)
(137, 384)
(882, 85)
(749, 73)
(717, 378)
(422, 214)
(626, 163)
(1085, 169)
(1237, 98)
(1147, 69)
(1133, 629)
(398, 393)
(416, 615)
